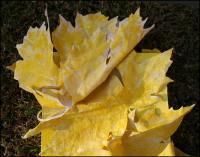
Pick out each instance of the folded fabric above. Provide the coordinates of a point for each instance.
(98, 95)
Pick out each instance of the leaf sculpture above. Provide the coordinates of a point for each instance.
(98, 95)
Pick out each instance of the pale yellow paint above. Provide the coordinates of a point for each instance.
(86, 108)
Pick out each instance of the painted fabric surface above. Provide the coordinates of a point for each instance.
(98, 95)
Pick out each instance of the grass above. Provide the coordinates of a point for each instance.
(177, 25)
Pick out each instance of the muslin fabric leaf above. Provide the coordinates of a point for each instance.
(63, 78)
(99, 97)
(82, 130)
(154, 138)
(109, 39)
(37, 49)
(145, 90)
(38, 70)
(144, 81)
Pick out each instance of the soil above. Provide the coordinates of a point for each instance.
(177, 26)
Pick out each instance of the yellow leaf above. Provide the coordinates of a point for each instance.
(154, 140)
(93, 48)
(168, 150)
(116, 98)
(38, 70)
(82, 132)
(144, 81)
(144, 92)
(60, 79)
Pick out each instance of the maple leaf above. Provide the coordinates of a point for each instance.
(98, 95)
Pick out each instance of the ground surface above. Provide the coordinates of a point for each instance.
(177, 25)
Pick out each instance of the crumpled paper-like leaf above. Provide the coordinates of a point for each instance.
(82, 132)
(143, 80)
(144, 89)
(93, 48)
(155, 137)
(64, 77)
(155, 122)
(38, 70)
(122, 104)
